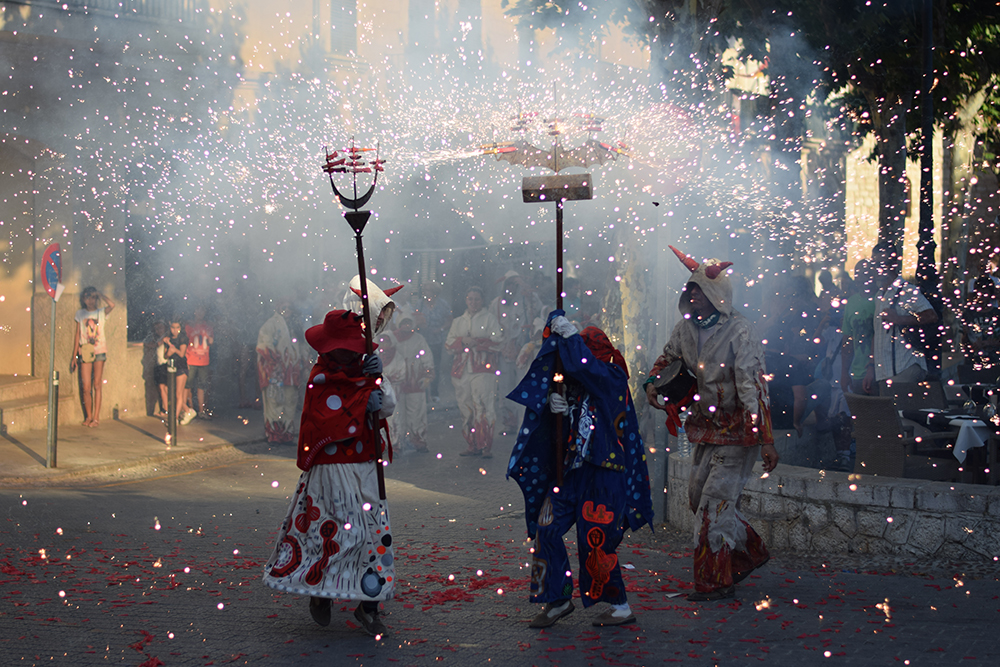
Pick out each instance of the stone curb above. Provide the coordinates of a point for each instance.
(811, 511)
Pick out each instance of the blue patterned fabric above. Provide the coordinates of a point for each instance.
(615, 445)
(593, 499)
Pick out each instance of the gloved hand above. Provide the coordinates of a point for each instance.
(562, 327)
(372, 365)
(558, 404)
(375, 401)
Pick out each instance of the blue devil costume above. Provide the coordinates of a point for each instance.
(605, 480)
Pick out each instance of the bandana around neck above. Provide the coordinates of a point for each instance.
(708, 322)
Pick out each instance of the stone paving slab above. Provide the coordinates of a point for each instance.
(166, 571)
(190, 594)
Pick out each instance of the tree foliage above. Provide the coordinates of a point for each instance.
(683, 37)
(864, 56)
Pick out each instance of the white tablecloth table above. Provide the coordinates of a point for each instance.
(972, 432)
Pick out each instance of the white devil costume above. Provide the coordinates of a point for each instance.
(727, 422)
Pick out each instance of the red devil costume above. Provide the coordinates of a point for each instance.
(336, 541)
(728, 423)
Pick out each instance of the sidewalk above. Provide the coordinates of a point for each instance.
(166, 571)
(133, 443)
(120, 445)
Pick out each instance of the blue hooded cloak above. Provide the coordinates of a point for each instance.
(615, 444)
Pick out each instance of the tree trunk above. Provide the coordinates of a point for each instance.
(959, 168)
(890, 130)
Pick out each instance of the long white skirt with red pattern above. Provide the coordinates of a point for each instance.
(336, 541)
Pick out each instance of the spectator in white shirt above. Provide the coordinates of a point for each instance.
(899, 307)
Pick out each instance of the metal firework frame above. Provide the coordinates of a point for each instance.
(348, 161)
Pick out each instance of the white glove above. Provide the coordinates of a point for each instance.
(558, 404)
(372, 365)
(562, 327)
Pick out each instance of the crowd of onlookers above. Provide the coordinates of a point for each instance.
(240, 351)
(874, 331)
(179, 350)
(860, 336)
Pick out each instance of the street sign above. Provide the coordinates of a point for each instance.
(51, 269)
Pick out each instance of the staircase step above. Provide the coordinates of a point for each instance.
(32, 413)
(21, 386)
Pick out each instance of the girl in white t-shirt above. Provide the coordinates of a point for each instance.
(90, 350)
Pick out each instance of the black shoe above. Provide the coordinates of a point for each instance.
(711, 596)
(371, 622)
(471, 452)
(319, 609)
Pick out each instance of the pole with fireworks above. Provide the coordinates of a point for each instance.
(349, 161)
(560, 189)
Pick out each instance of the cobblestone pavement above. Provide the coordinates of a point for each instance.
(166, 571)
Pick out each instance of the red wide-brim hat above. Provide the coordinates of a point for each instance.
(341, 330)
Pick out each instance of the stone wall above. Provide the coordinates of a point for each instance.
(808, 510)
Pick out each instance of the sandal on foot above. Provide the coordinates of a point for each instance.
(550, 613)
(711, 596)
(609, 618)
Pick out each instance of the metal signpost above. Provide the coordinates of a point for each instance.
(51, 274)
